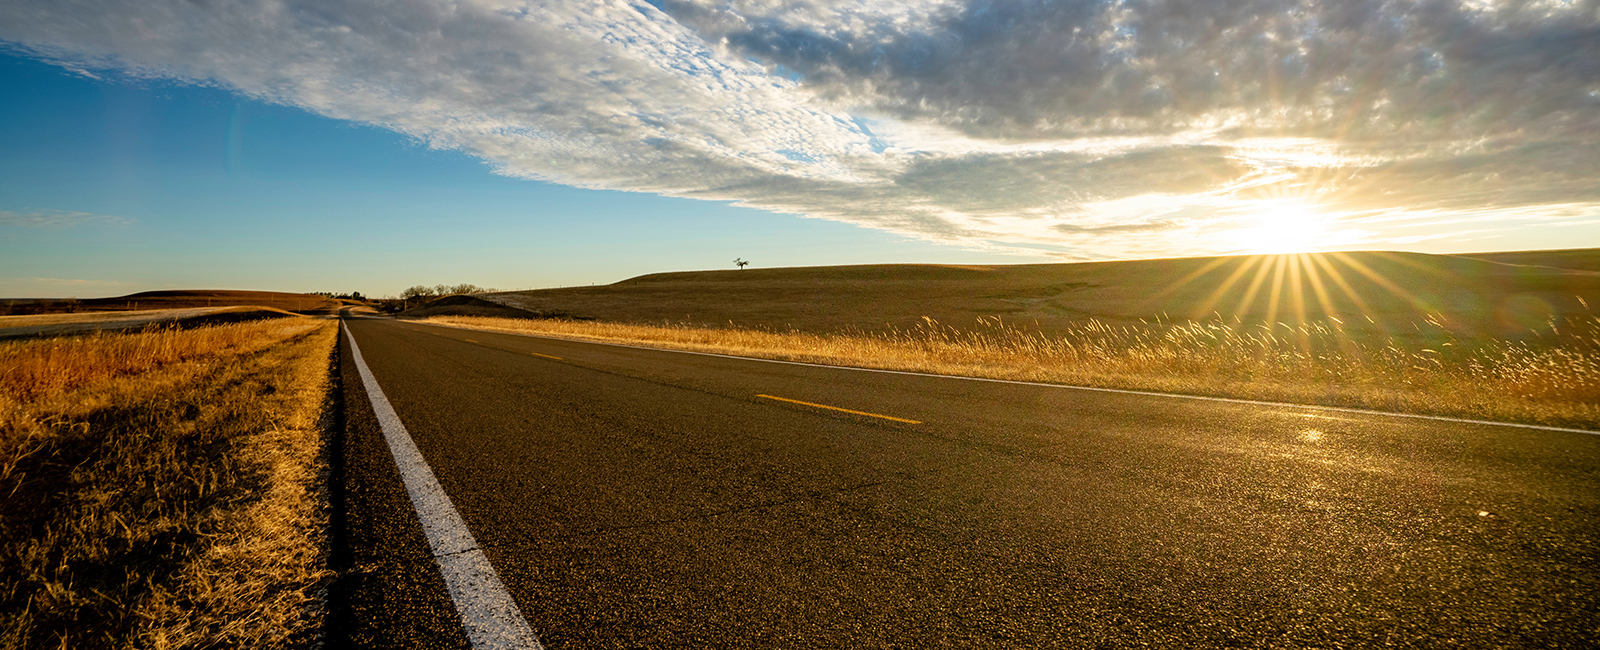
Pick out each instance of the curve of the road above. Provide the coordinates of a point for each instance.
(631, 498)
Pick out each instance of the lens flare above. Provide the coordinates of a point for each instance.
(1280, 227)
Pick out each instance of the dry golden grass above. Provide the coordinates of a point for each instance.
(161, 487)
(1553, 379)
(40, 367)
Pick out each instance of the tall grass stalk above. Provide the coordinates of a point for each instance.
(1553, 378)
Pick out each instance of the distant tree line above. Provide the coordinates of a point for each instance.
(421, 291)
(353, 295)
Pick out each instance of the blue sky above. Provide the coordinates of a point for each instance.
(197, 187)
(365, 145)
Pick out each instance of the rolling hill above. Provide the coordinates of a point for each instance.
(1507, 295)
(185, 299)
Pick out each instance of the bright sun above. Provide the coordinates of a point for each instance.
(1281, 227)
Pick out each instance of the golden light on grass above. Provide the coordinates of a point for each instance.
(1556, 382)
(1296, 285)
(161, 486)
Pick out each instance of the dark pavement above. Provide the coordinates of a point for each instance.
(633, 498)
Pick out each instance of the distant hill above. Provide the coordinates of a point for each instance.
(465, 305)
(189, 299)
(59, 324)
(1582, 259)
(1372, 292)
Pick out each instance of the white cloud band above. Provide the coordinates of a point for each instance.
(1076, 128)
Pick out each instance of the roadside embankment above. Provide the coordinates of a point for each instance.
(163, 486)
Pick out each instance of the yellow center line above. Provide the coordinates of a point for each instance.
(532, 353)
(835, 408)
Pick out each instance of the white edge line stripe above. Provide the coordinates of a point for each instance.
(1231, 400)
(488, 613)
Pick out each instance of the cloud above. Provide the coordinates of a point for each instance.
(1158, 226)
(1075, 129)
(1024, 68)
(70, 282)
(58, 219)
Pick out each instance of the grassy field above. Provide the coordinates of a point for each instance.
(161, 487)
(1375, 295)
(1583, 259)
(1553, 379)
(1504, 336)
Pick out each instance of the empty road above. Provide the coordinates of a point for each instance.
(632, 498)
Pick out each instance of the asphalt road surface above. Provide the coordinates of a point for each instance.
(649, 499)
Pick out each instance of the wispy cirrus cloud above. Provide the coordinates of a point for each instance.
(1076, 128)
(58, 219)
(73, 282)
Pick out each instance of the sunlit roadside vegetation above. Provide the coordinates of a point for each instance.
(1552, 377)
(162, 487)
